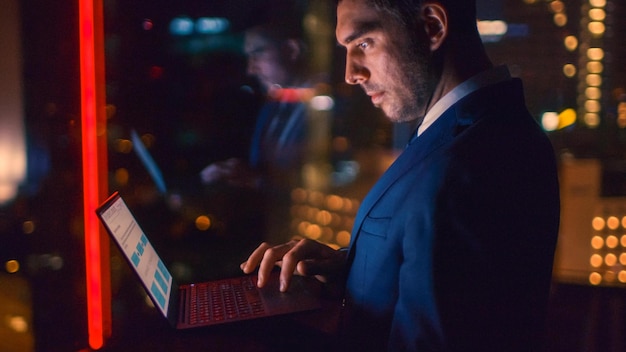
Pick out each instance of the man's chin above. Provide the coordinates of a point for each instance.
(395, 117)
(391, 115)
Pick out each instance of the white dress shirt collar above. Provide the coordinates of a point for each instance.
(486, 78)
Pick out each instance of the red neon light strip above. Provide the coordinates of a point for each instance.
(90, 172)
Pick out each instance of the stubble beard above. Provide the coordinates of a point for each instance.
(416, 74)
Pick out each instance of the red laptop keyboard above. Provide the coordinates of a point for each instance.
(233, 299)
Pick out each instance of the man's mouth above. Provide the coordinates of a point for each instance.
(377, 97)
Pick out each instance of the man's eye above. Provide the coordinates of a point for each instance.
(256, 52)
(363, 45)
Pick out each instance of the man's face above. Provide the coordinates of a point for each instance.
(265, 60)
(390, 67)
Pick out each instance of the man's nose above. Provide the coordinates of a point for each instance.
(356, 73)
(251, 67)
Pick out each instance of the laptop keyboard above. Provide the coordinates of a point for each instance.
(231, 299)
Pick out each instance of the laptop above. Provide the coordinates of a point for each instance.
(205, 303)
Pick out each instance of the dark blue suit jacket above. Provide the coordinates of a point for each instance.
(452, 249)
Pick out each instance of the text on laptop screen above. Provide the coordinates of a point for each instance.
(136, 247)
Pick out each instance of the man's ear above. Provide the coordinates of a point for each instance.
(293, 49)
(435, 20)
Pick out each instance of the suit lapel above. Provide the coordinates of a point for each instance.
(436, 135)
(451, 123)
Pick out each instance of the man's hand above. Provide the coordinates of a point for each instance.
(300, 257)
(233, 171)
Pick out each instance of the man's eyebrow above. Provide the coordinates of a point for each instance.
(362, 28)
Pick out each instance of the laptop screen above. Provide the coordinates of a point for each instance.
(141, 255)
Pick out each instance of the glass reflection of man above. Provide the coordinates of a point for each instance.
(277, 59)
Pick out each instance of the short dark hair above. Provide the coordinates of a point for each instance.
(462, 12)
(279, 19)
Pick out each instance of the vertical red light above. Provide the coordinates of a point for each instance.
(93, 165)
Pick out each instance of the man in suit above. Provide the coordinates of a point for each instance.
(277, 57)
(452, 248)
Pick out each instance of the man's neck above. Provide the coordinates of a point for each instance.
(457, 69)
